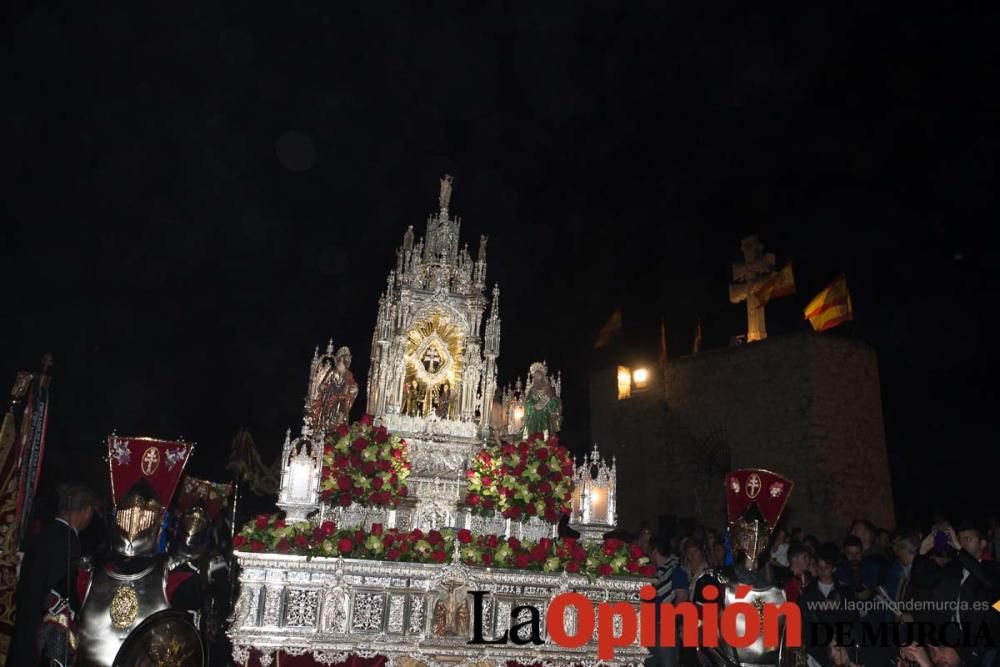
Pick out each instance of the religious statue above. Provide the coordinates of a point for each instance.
(408, 238)
(482, 246)
(444, 198)
(450, 617)
(443, 401)
(336, 394)
(439, 619)
(411, 399)
(542, 408)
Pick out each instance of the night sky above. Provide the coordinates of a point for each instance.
(194, 195)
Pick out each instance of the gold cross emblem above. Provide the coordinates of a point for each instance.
(150, 461)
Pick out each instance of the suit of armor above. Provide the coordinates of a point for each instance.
(134, 585)
(115, 604)
(755, 500)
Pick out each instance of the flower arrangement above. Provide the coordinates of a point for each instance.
(364, 465)
(531, 478)
(268, 533)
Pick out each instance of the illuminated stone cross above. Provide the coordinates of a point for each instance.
(757, 267)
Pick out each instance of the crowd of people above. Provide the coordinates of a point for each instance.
(900, 598)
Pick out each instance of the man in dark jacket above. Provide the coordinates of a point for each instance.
(968, 581)
(48, 572)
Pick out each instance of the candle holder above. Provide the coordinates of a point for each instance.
(594, 511)
(301, 467)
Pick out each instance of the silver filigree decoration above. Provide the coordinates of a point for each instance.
(300, 609)
(416, 615)
(367, 612)
(272, 605)
(396, 605)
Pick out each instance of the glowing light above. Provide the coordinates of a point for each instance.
(641, 378)
(624, 382)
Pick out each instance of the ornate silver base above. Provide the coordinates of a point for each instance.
(332, 608)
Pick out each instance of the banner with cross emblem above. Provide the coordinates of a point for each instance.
(160, 463)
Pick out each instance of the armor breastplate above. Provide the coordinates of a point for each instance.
(756, 653)
(115, 604)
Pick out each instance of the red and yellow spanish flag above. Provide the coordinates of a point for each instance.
(781, 283)
(831, 307)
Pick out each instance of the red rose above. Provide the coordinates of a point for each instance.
(355, 460)
(434, 538)
(404, 548)
(514, 512)
(521, 561)
(345, 500)
(344, 545)
(392, 554)
(438, 556)
(301, 541)
(491, 541)
(647, 570)
(384, 466)
(368, 468)
(530, 510)
(239, 541)
(545, 487)
(632, 566)
(545, 543)
(262, 521)
(487, 560)
(343, 430)
(340, 461)
(282, 546)
(538, 553)
(387, 539)
(472, 500)
(366, 420)
(344, 483)
(488, 504)
(604, 570)
(402, 491)
(542, 454)
(572, 566)
(377, 483)
(556, 477)
(610, 548)
(328, 528)
(567, 469)
(636, 551)
(381, 435)
(256, 545)
(543, 470)
(397, 453)
(359, 444)
(376, 529)
(464, 536)
(578, 553)
(551, 516)
(417, 534)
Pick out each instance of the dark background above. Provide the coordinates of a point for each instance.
(194, 195)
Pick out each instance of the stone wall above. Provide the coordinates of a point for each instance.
(806, 406)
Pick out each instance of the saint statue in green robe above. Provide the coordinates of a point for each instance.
(542, 408)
